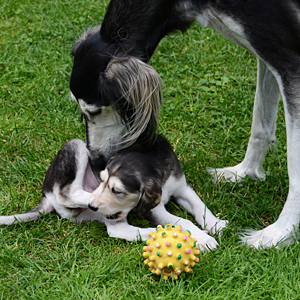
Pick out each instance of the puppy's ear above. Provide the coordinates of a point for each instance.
(139, 99)
(149, 198)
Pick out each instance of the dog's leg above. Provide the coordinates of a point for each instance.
(160, 216)
(189, 199)
(122, 230)
(262, 132)
(286, 229)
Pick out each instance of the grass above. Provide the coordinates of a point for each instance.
(209, 87)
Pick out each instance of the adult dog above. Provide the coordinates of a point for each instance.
(131, 30)
(138, 178)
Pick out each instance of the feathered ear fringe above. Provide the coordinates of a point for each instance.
(140, 101)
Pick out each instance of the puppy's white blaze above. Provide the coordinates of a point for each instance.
(104, 175)
(109, 203)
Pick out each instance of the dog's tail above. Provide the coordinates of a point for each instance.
(44, 207)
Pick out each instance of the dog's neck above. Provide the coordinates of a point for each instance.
(138, 34)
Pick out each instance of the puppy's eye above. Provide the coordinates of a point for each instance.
(114, 191)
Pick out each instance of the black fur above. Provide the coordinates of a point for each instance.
(142, 25)
(267, 28)
(150, 166)
(134, 28)
(62, 170)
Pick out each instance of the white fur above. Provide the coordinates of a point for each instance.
(104, 130)
(108, 204)
(112, 198)
(227, 26)
(187, 198)
(269, 91)
(262, 131)
(202, 20)
(286, 229)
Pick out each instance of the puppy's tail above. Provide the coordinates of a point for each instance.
(44, 207)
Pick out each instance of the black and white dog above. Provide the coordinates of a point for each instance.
(138, 178)
(109, 65)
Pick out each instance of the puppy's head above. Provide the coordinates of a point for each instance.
(122, 189)
(104, 76)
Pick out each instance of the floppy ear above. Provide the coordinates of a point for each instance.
(150, 197)
(138, 99)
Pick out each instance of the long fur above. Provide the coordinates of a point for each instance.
(267, 28)
(141, 87)
(139, 179)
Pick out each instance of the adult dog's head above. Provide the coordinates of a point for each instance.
(119, 96)
(124, 187)
(110, 72)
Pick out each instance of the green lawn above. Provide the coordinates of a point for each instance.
(209, 86)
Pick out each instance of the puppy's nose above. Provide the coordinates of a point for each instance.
(93, 207)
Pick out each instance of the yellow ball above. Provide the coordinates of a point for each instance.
(170, 252)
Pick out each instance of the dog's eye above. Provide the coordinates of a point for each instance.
(95, 111)
(114, 191)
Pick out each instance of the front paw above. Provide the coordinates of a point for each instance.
(217, 227)
(206, 242)
(270, 236)
(235, 174)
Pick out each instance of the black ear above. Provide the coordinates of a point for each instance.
(150, 198)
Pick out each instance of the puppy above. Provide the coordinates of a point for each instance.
(140, 179)
(127, 39)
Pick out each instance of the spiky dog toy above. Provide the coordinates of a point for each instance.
(169, 251)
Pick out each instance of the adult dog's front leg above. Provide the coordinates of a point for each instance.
(160, 216)
(285, 230)
(122, 230)
(262, 132)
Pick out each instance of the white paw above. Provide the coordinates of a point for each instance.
(217, 227)
(236, 173)
(272, 235)
(206, 242)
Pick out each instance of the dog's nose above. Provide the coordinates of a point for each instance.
(93, 207)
